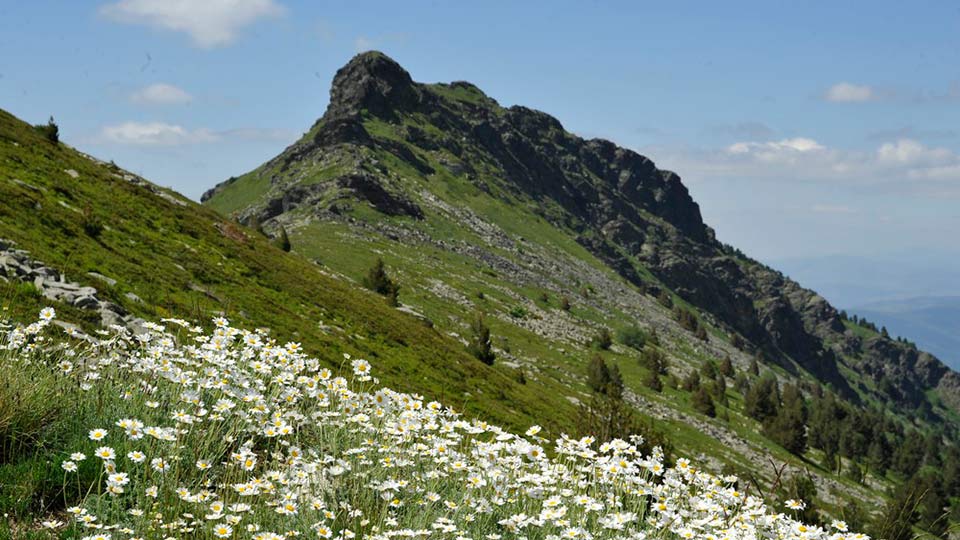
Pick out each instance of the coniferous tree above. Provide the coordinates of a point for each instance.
(653, 359)
(615, 386)
(282, 241)
(480, 345)
(703, 403)
(652, 381)
(788, 426)
(720, 390)
(726, 366)
(692, 381)
(379, 282)
(755, 364)
(763, 399)
(598, 374)
(603, 339)
(51, 131)
(709, 370)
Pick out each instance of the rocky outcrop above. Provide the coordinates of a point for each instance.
(17, 265)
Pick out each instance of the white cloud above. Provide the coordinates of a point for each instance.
(164, 134)
(911, 152)
(904, 165)
(210, 23)
(845, 92)
(776, 148)
(161, 94)
(155, 134)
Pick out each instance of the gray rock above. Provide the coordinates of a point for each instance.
(133, 298)
(86, 302)
(72, 173)
(109, 281)
(108, 318)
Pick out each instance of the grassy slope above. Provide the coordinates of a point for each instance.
(158, 250)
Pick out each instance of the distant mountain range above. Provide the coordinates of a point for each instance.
(848, 281)
(916, 295)
(932, 322)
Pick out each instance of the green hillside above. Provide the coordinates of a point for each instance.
(183, 260)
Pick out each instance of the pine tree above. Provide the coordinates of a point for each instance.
(763, 399)
(51, 131)
(788, 426)
(692, 381)
(653, 359)
(598, 374)
(480, 345)
(703, 403)
(755, 364)
(720, 390)
(379, 282)
(603, 339)
(726, 366)
(283, 241)
(652, 381)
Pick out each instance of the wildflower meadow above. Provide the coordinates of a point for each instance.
(183, 433)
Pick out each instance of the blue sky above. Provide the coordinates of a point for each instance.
(802, 128)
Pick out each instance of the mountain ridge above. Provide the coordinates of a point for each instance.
(382, 128)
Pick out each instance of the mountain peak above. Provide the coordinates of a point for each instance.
(371, 81)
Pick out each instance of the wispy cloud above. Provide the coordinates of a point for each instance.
(845, 92)
(905, 165)
(209, 23)
(161, 94)
(164, 134)
(154, 134)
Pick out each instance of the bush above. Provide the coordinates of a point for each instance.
(91, 223)
(518, 312)
(633, 337)
(565, 303)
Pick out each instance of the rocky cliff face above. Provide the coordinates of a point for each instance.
(381, 129)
